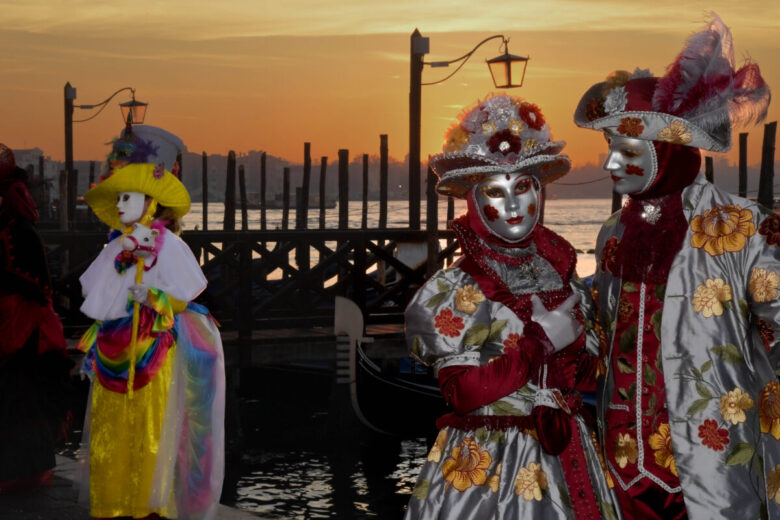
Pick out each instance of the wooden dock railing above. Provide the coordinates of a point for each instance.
(256, 281)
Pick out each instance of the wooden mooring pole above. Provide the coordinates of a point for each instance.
(364, 215)
(383, 169)
(91, 214)
(766, 192)
(709, 170)
(262, 192)
(229, 219)
(432, 222)
(742, 190)
(285, 198)
(343, 167)
(302, 218)
(242, 193)
(204, 186)
(382, 224)
(323, 171)
(343, 189)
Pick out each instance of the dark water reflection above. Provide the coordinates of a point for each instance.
(305, 484)
(303, 454)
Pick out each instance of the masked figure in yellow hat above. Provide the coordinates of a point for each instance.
(155, 420)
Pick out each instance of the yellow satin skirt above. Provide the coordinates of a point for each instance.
(124, 438)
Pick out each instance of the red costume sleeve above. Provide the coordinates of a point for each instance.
(466, 388)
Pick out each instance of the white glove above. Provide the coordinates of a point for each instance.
(560, 324)
(140, 293)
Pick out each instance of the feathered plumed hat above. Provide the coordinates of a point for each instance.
(694, 104)
(141, 162)
(499, 134)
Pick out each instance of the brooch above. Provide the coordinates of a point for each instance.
(651, 213)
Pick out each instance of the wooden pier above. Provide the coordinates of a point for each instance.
(268, 281)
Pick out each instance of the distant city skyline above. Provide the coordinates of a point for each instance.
(584, 181)
(250, 75)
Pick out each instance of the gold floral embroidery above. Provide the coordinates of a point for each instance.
(466, 465)
(494, 479)
(676, 133)
(530, 482)
(468, 298)
(661, 444)
(773, 485)
(625, 450)
(769, 409)
(722, 229)
(489, 127)
(530, 144)
(532, 433)
(456, 138)
(763, 284)
(438, 447)
(709, 298)
(515, 126)
(616, 78)
(734, 404)
(625, 308)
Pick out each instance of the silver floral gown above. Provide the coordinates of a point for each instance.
(489, 463)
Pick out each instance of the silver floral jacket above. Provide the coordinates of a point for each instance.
(720, 321)
(477, 472)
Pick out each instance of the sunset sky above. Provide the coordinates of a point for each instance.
(261, 75)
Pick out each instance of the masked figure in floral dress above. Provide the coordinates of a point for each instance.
(687, 289)
(156, 408)
(504, 332)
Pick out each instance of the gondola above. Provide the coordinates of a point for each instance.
(389, 395)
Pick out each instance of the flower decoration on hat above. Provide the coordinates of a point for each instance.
(695, 103)
(499, 134)
(143, 162)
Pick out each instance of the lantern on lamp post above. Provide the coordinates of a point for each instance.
(507, 71)
(133, 112)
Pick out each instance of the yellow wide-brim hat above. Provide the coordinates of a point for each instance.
(167, 191)
(140, 161)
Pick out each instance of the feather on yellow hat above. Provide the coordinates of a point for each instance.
(141, 162)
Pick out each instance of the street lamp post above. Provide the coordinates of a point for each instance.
(133, 112)
(507, 71)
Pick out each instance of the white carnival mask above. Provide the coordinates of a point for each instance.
(130, 206)
(631, 163)
(508, 204)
